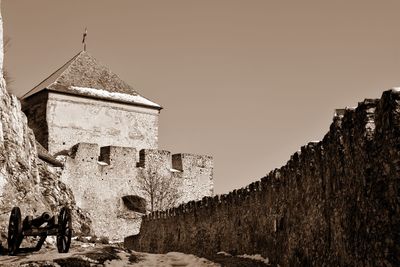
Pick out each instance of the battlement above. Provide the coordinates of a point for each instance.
(102, 177)
(85, 152)
(185, 161)
(307, 211)
(111, 155)
(118, 155)
(152, 157)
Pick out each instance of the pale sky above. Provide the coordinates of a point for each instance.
(248, 82)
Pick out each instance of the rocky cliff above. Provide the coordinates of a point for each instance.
(25, 180)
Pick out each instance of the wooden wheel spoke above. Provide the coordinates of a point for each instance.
(64, 230)
(14, 231)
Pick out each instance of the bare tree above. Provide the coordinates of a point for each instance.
(161, 189)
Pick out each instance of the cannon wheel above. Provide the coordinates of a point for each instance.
(14, 231)
(64, 230)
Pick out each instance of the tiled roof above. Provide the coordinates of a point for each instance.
(84, 75)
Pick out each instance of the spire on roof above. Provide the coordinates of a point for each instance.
(84, 39)
(84, 75)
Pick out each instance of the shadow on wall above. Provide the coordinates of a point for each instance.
(135, 203)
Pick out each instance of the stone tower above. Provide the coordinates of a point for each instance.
(106, 134)
(83, 101)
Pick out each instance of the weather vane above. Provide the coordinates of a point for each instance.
(84, 39)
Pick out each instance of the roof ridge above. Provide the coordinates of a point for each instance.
(97, 64)
(84, 75)
(56, 73)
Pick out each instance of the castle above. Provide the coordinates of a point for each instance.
(335, 203)
(106, 136)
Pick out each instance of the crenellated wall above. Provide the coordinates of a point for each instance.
(196, 173)
(100, 176)
(335, 203)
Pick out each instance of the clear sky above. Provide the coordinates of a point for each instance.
(248, 82)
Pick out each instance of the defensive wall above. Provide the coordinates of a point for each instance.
(100, 177)
(335, 203)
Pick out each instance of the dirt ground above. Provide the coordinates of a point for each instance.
(114, 255)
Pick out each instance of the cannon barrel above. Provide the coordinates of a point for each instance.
(45, 217)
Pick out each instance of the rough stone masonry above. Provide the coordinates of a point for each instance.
(100, 189)
(335, 203)
(106, 136)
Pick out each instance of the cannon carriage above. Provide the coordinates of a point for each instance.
(42, 226)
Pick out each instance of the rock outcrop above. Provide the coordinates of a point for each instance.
(25, 180)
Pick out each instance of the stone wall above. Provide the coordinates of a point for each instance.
(60, 121)
(335, 203)
(101, 177)
(196, 173)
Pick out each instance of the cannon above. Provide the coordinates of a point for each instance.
(42, 226)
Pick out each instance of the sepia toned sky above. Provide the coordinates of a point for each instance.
(248, 82)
